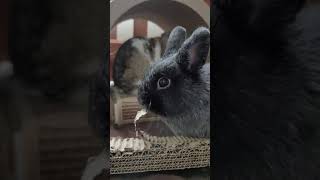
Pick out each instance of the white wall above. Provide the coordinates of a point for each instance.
(119, 7)
(154, 30)
(125, 30)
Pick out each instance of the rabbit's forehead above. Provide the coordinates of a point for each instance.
(162, 66)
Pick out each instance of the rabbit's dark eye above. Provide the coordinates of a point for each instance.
(163, 83)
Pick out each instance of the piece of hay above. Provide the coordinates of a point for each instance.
(140, 113)
(124, 110)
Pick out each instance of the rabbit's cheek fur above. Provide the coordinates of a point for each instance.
(163, 102)
(148, 98)
(154, 101)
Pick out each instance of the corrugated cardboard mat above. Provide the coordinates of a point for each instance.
(151, 153)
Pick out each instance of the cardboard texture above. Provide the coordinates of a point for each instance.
(151, 153)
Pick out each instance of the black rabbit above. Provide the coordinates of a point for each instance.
(177, 87)
(266, 90)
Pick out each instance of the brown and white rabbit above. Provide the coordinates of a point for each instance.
(132, 58)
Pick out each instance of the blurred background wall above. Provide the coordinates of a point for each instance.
(56, 47)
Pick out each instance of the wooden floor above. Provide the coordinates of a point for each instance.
(65, 140)
(64, 149)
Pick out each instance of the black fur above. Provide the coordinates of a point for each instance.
(266, 90)
(185, 103)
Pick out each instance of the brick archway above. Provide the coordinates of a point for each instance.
(167, 14)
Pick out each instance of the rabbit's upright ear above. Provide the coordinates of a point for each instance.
(194, 51)
(176, 38)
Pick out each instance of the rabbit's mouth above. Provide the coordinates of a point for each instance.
(151, 106)
(147, 106)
